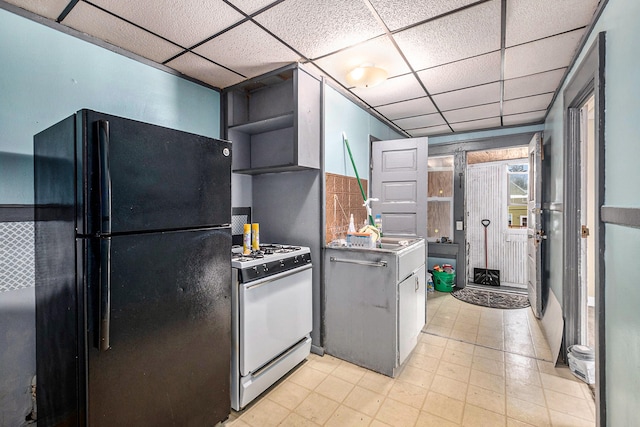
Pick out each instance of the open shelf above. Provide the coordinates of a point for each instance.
(265, 125)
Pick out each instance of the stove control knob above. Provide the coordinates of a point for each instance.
(295, 259)
(281, 263)
(265, 268)
(255, 268)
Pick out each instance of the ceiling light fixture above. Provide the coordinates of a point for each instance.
(366, 75)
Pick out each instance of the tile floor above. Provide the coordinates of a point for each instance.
(473, 366)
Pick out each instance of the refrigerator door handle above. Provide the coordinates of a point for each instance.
(104, 176)
(104, 304)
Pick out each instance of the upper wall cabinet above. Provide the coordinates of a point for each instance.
(273, 122)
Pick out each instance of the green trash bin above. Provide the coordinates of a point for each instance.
(443, 281)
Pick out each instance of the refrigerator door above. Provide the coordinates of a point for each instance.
(141, 177)
(168, 318)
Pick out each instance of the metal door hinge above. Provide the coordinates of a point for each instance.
(584, 231)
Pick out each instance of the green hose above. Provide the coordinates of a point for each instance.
(364, 196)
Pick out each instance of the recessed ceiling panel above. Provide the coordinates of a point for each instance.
(413, 107)
(420, 121)
(533, 84)
(484, 94)
(524, 105)
(526, 118)
(318, 28)
(529, 20)
(392, 90)
(248, 50)
(401, 13)
(379, 52)
(461, 74)
(183, 23)
(471, 32)
(473, 113)
(251, 6)
(542, 55)
(199, 68)
(476, 124)
(434, 130)
(93, 21)
(49, 9)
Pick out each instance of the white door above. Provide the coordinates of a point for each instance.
(399, 181)
(535, 234)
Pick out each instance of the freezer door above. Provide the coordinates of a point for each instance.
(167, 329)
(137, 176)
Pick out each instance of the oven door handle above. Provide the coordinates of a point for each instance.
(261, 282)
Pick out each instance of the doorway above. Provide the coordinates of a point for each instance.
(496, 183)
(587, 258)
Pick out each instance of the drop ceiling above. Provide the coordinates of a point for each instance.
(454, 65)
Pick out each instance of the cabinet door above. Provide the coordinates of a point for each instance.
(407, 314)
(421, 300)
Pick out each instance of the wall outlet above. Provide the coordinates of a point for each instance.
(459, 225)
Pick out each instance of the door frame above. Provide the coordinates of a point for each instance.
(588, 79)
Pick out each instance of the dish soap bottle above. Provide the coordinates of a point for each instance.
(378, 223)
(352, 226)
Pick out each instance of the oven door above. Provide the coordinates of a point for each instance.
(275, 313)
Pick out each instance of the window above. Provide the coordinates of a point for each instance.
(517, 194)
(440, 198)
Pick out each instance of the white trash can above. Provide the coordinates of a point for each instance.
(582, 363)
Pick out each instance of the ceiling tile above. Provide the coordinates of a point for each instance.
(401, 13)
(426, 120)
(248, 50)
(473, 113)
(471, 32)
(526, 118)
(434, 130)
(379, 52)
(533, 84)
(529, 20)
(476, 124)
(91, 20)
(470, 97)
(49, 9)
(461, 74)
(199, 68)
(542, 55)
(182, 23)
(251, 6)
(392, 90)
(413, 107)
(318, 28)
(530, 103)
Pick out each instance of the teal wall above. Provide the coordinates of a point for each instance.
(621, 22)
(468, 136)
(343, 115)
(47, 75)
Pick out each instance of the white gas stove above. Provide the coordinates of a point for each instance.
(271, 318)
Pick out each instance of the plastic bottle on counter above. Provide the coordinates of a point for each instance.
(255, 236)
(378, 223)
(352, 225)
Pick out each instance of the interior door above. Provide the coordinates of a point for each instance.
(535, 234)
(399, 182)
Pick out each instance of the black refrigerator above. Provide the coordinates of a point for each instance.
(133, 274)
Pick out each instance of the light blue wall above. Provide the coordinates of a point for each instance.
(468, 136)
(343, 115)
(47, 75)
(621, 21)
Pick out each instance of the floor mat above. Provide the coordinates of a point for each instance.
(491, 298)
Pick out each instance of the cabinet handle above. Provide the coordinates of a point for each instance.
(354, 261)
(417, 284)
